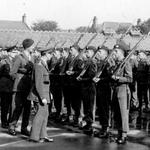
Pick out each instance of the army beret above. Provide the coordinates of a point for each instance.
(120, 44)
(9, 49)
(91, 48)
(59, 49)
(27, 43)
(75, 46)
(44, 51)
(104, 48)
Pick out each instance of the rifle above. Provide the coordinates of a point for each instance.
(80, 54)
(109, 56)
(56, 62)
(63, 44)
(79, 39)
(49, 41)
(86, 67)
(120, 68)
(123, 35)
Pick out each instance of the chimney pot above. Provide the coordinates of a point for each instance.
(24, 18)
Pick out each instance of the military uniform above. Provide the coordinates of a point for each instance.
(142, 83)
(133, 86)
(121, 99)
(88, 92)
(6, 88)
(21, 72)
(75, 88)
(55, 86)
(103, 98)
(65, 82)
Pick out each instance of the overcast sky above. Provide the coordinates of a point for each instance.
(74, 13)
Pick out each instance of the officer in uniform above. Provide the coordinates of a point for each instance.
(121, 93)
(21, 72)
(88, 90)
(103, 92)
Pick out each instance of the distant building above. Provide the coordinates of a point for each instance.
(112, 27)
(14, 25)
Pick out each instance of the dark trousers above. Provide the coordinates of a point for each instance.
(75, 93)
(88, 95)
(6, 100)
(21, 104)
(57, 97)
(142, 94)
(67, 98)
(103, 97)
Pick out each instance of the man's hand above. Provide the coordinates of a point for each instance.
(79, 78)
(115, 77)
(44, 101)
(96, 79)
(69, 72)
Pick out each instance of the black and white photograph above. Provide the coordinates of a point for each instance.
(74, 74)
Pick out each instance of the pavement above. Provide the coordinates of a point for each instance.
(71, 138)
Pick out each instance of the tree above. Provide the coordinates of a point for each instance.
(122, 29)
(45, 26)
(144, 26)
(82, 29)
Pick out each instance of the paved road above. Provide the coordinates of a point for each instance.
(64, 140)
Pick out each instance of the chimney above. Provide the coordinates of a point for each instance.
(24, 18)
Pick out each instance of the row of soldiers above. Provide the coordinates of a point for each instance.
(79, 76)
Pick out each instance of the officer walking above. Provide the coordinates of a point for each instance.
(42, 91)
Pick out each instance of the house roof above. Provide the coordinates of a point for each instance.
(13, 25)
(115, 25)
(15, 37)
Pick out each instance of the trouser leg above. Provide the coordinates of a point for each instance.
(17, 110)
(76, 101)
(103, 103)
(6, 99)
(57, 96)
(67, 99)
(88, 97)
(37, 123)
(43, 132)
(26, 112)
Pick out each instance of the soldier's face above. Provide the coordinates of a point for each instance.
(89, 53)
(64, 54)
(119, 54)
(142, 56)
(57, 54)
(49, 56)
(30, 49)
(101, 54)
(73, 51)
